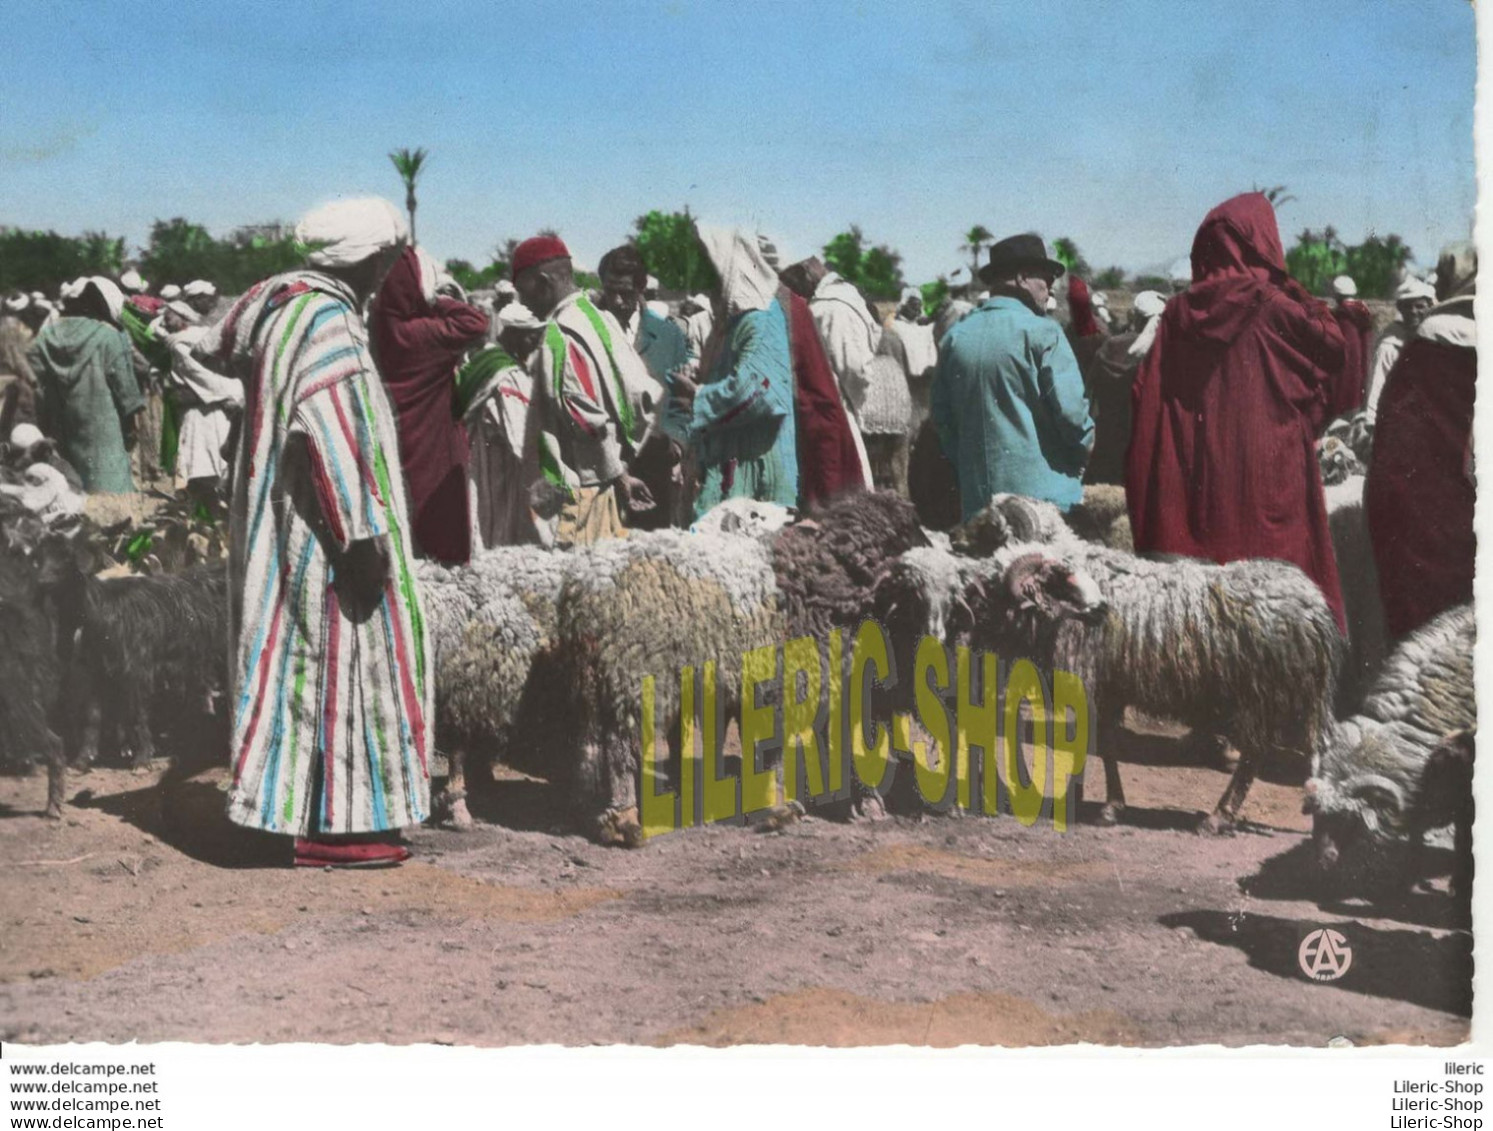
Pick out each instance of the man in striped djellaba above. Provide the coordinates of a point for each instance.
(331, 668)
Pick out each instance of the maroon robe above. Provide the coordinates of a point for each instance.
(1349, 385)
(828, 464)
(1228, 403)
(417, 345)
(1419, 495)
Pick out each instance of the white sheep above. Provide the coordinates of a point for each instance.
(1402, 765)
(1249, 651)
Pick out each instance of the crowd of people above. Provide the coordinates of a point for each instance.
(363, 411)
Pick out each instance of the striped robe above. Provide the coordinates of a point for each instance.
(330, 713)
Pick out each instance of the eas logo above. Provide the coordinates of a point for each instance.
(1325, 955)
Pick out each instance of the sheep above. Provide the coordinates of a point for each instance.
(134, 651)
(648, 605)
(1249, 651)
(654, 604)
(748, 517)
(1358, 577)
(1103, 516)
(487, 623)
(1403, 763)
(29, 678)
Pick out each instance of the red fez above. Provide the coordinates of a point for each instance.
(540, 249)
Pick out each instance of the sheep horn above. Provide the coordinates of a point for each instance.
(1367, 786)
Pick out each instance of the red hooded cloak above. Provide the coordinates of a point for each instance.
(1228, 404)
(418, 344)
(827, 461)
(1420, 494)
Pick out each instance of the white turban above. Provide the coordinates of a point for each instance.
(516, 316)
(659, 307)
(433, 276)
(1344, 286)
(1413, 288)
(131, 280)
(505, 287)
(651, 284)
(1098, 298)
(112, 295)
(25, 436)
(197, 287)
(347, 232)
(184, 312)
(1150, 303)
(17, 303)
(73, 289)
(170, 292)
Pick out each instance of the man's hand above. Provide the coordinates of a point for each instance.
(683, 389)
(634, 493)
(362, 573)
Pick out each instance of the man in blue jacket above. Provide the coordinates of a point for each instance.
(1008, 400)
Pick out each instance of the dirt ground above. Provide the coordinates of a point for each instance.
(116, 926)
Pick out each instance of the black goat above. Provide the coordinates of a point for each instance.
(137, 653)
(29, 677)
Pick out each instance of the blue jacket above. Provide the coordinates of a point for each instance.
(662, 346)
(1009, 405)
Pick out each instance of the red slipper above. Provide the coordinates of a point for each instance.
(331, 854)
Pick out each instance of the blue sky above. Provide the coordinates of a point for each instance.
(1118, 124)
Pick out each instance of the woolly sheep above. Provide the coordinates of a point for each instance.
(488, 622)
(747, 517)
(1402, 764)
(654, 604)
(1249, 651)
(29, 678)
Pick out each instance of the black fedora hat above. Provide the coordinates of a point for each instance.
(1014, 252)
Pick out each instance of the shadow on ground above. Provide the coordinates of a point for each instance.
(1434, 972)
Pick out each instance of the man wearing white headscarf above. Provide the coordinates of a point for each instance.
(17, 321)
(205, 404)
(200, 295)
(737, 423)
(332, 665)
(1413, 298)
(88, 397)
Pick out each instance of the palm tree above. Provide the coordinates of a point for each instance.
(974, 240)
(409, 166)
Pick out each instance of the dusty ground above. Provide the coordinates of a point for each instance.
(941, 930)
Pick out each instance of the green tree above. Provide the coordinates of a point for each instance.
(877, 271)
(1110, 278)
(43, 261)
(180, 251)
(974, 241)
(1066, 252)
(409, 164)
(672, 251)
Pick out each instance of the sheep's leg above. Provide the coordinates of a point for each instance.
(1225, 816)
(56, 776)
(1114, 789)
(453, 799)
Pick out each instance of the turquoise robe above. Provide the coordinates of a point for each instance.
(87, 390)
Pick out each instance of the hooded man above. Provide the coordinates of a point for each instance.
(1357, 323)
(1420, 494)
(419, 337)
(737, 422)
(593, 395)
(89, 400)
(332, 665)
(1228, 405)
(1413, 298)
(1008, 398)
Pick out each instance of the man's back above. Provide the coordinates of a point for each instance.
(1009, 404)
